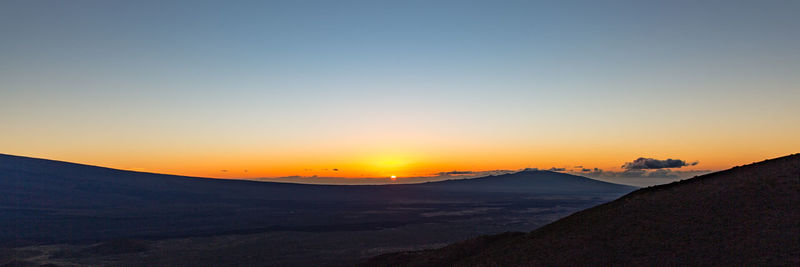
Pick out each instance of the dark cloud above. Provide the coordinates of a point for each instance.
(639, 173)
(336, 170)
(554, 169)
(455, 173)
(530, 169)
(650, 163)
(494, 172)
(630, 173)
(662, 173)
(223, 170)
(471, 174)
(594, 172)
(314, 179)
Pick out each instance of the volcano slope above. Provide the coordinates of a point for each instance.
(747, 215)
(44, 201)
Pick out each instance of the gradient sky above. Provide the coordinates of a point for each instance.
(406, 88)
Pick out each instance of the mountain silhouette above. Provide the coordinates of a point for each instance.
(532, 181)
(53, 201)
(746, 215)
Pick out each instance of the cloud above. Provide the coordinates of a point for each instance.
(554, 169)
(630, 173)
(639, 173)
(645, 168)
(594, 172)
(454, 173)
(650, 163)
(336, 170)
(472, 174)
(662, 173)
(314, 179)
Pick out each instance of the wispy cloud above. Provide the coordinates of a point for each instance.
(638, 173)
(470, 174)
(454, 173)
(662, 173)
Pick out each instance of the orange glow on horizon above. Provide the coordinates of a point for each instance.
(374, 165)
(388, 155)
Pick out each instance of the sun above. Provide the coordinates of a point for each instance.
(393, 177)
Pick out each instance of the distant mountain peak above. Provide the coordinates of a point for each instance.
(535, 181)
(746, 215)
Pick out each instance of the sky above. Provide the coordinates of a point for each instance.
(240, 89)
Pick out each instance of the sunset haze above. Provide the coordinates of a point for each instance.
(398, 88)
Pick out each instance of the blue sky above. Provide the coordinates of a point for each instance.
(156, 84)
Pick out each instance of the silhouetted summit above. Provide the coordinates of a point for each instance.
(534, 181)
(743, 216)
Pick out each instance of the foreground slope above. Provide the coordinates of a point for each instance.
(46, 201)
(745, 215)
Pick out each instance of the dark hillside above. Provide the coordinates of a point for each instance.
(746, 215)
(45, 201)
